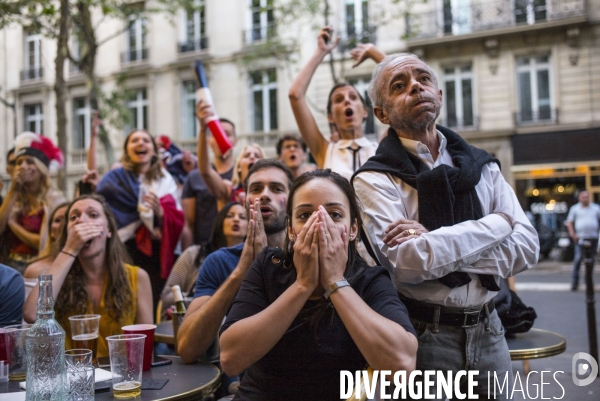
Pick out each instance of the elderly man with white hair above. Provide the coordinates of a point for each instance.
(439, 215)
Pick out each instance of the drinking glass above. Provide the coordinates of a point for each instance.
(84, 332)
(126, 360)
(81, 383)
(15, 351)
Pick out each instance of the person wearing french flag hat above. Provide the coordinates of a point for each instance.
(30, 200)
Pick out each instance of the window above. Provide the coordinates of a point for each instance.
(362, 85)
(262, 20)
(529, 11)
(263, 86)
(456, 16)
(76, 52)
(195, 29)
(458, 96)
(33, 56)
(81, 124)
(189, 128)
(34, 118)
(357, 22)
(136, 41)
(533, 87)
(137, 104)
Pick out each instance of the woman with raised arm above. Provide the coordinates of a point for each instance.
(224, 190)
(30, 199)
(143, 198)
(306, 312)
(346, 112)
(90, 274)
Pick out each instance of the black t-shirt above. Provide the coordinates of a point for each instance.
(305, 364)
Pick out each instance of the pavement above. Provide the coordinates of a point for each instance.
(547, 288)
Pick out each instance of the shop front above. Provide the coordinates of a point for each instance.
(550, 170)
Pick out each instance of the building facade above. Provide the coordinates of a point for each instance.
(520, 78)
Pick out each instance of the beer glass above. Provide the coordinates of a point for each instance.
(84, 332)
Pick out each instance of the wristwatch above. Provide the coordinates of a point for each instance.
(334, 286)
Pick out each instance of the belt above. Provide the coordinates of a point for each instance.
(445, 315)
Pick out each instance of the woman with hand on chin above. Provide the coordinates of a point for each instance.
(149, 225)
(315, 308)
(90, 274)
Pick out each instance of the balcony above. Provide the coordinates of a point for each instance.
(259, 34)
(33, 73)
(543, 115)
(193, 45)
(78, 156)
(457, 124)
(131, 56)
(351, 39)
(480, 18)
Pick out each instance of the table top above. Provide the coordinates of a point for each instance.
(536, 343)
(164, 332)
(186, 382)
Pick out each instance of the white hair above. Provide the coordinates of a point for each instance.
(373, 90)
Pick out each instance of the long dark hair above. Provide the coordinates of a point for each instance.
(72, 298)
(346, 188)
(217, 238)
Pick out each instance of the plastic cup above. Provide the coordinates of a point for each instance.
(3, 346)
(148, 330)
(16, 351)
(84, 332)
(126, 359)
(81, 383)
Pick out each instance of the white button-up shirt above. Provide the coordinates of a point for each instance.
(340, 159)
(489, 245)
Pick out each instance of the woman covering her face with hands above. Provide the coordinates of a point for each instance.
(315, 308)
(90, 274)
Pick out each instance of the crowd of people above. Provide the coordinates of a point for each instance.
(383, 254)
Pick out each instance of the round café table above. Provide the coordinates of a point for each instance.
(534, 344)
(186, 382)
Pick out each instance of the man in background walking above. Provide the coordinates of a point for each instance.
(583, 223)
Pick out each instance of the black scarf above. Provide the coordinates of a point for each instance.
(447, 195)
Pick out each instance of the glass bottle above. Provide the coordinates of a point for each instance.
(178, 298)
(45, 343)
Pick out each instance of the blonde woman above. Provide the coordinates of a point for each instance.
(30, 200)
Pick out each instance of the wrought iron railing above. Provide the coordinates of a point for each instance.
(486, 15)
(260, 33)
(193, 45)
(134, 55)
(541, 115)
(460, 124)
(32, 73)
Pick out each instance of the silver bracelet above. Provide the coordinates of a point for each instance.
(334, 287)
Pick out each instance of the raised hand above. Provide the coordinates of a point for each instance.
(260, 237)
(333, 249)
(203, 112)
(363, 51)
(306, 253)
(324, 40)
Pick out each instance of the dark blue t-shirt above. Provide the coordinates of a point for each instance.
(216, 268)
(206, 205)
(12, 296)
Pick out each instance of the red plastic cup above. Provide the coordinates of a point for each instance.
(148, 330)
(3, 346)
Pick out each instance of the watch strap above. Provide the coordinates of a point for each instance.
(334, 287)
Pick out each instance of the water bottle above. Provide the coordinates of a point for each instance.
(45, 343)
